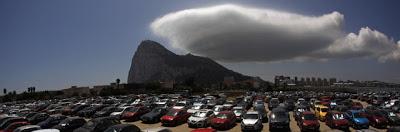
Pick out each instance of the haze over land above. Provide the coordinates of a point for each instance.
(56, 44)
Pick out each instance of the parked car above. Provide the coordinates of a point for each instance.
(298, 110)
(204, 130)
(196, 107)
(279, 119)
(320, 111)
(90, 111)
(308, 121)
(27, 128)
(105, 112)
(154, 115)
(201, 118)
(223, 120)
(98, 124)
(392, 117)
(123, 128)
(118, 112)
(251, 121)
(239, 111)
(134, 113)
(273, 103)
(70, 124)
(376, 119)
(51, 121)
(174, 117)
(11, 120)
(14, 125)
(336, 119)
(39, 117)
(357, 119)
(217, 109)
(78, 108)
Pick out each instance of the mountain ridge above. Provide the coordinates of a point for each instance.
(153, 62)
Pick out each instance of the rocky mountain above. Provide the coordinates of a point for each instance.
(153, 62)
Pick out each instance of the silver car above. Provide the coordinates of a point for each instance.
(252, 121)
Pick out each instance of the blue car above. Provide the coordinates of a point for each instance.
(357, 119)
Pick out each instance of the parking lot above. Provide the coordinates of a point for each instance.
(127, 108)
(293, 125)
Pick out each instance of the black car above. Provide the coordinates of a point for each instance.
(77, 109)
(273, 103)
(392, 117)
(8, 121)
(105, 112)
(123, 128)
(98, 124)
(289, 104)
(154, 115)
(51, 121)
(279, 119)
(39, 117)
(70, 124)
(89, 111)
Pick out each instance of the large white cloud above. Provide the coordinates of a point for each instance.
(235, 34)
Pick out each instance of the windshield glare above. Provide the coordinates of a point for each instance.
(338, 116)
(172, 113)
(200, 114)
(222, 116)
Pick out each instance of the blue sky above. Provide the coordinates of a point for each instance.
(55, 44)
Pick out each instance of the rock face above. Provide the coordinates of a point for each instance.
(153, 62)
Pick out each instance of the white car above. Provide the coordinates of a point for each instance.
(180, 105)
(196, 107)
(217, 109)
(252, 120)
(118, 112)
(201, 118)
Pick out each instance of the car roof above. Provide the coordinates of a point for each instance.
(252, 112)
(225, 112)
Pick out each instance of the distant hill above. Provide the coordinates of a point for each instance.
(153, 62)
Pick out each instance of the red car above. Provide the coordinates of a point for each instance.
(308, 121)
(204, 130)
(14, 125)
(376, 119)
(175, 117)
(336, 119)
(134, 113)
(223, 120)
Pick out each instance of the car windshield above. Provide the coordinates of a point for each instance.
(172, 113)
(217, 109)
(196, 107)
(237, 111)
(338, 116)
(279, 115)
(200, 114)
(222, 116)
(250, 116)
(309, 117)
(324, 109)
(358, 115)
(132, 109)
(392, 114)
(274, 102)
(156, 110)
